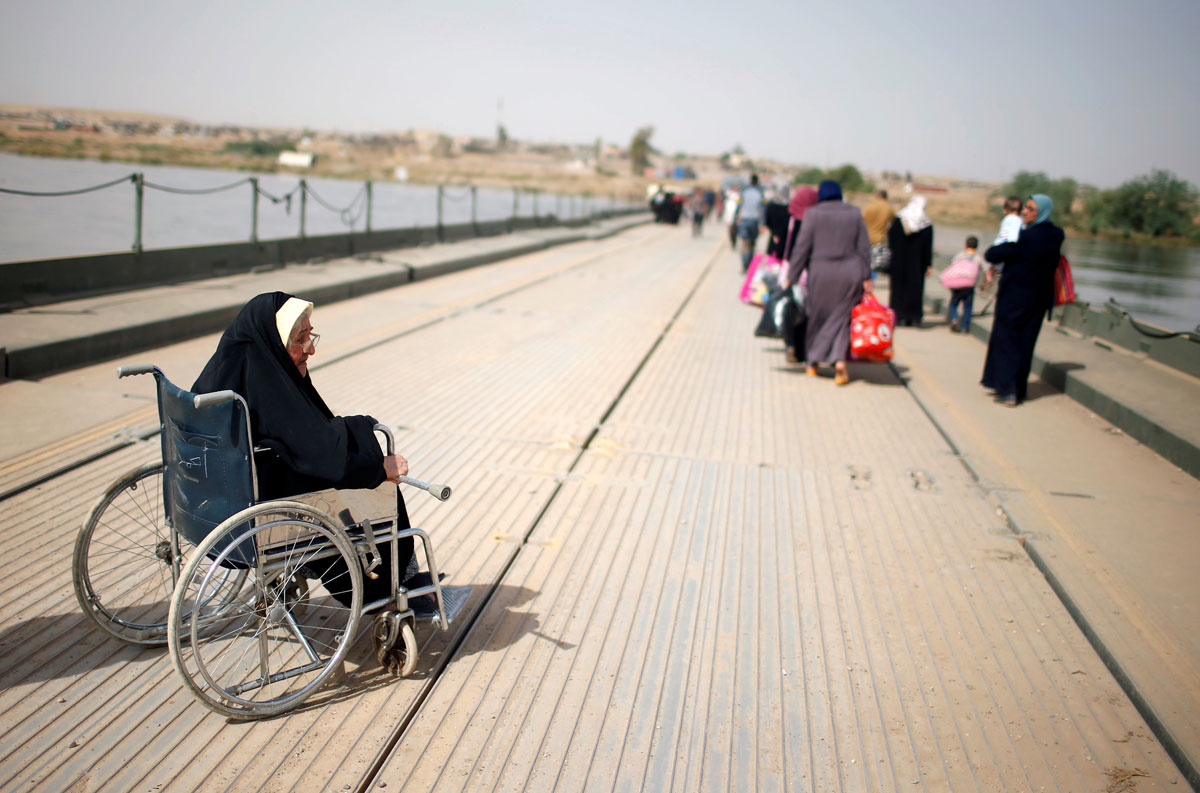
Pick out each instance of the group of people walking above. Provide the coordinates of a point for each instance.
(839, 250)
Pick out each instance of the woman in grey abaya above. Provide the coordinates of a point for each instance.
(833, 245)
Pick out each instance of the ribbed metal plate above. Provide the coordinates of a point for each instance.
(692, 568)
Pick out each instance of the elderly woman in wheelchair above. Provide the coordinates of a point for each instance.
(270, 526)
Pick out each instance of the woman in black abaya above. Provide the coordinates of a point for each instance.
(1025, 294)
(910, 239)
(263, 356)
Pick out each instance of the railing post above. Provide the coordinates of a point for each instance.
(572, 215)
(254, 209)
(474, 217)
(535, 206)
(558, 206)
(514, 205)
(369, 203)
(303, 205)
(440, 233)
(139, 194)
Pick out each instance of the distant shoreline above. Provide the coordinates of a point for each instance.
(432, 158)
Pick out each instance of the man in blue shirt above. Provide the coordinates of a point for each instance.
(750, 218)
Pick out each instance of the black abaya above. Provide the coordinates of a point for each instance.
(912, 256)
(1025, 294)
(308, 448)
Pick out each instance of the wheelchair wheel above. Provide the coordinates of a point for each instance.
(395, 643)
(285, 636)
(122, 566)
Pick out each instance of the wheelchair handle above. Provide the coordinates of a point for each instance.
(440, 492)
(214, 398)
(136, 368)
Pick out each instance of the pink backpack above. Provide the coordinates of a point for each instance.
(961, 274)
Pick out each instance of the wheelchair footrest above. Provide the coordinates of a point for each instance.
(453, 597)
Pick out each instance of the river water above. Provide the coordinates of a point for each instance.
(1158, 284)
(103, 221)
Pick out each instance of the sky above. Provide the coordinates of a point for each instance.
(1096, 90)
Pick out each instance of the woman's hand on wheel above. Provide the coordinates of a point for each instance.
(395, 467)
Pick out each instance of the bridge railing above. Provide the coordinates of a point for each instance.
(43, 281)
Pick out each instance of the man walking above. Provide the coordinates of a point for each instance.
(879, 215)
(750, 219)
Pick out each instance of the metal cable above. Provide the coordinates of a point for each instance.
(279, 199)
(1115, 307)
(199, 191)
(285, 198)
(1165, 335)
(345, 212)
(466, 192)
(130, 178)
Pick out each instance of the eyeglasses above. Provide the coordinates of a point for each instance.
(312, 339)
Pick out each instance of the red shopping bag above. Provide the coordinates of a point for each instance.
(1064, 284)
(871, 327)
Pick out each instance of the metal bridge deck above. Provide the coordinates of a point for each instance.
(694, 569)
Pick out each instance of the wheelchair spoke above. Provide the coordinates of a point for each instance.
(273, 646)
(122, 562)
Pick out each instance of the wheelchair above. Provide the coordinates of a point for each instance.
(258, 602)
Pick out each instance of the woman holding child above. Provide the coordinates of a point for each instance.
(1025, 294)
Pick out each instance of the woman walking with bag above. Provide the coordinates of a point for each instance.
(1025, 294)
(802, 199)
(834, 248)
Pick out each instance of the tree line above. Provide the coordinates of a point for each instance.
(848, 176)
(1157, 204)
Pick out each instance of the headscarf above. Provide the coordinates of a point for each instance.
(289, 314)
(286, 412)
(913, 216)
(802, 199)
(829, 191)
(1045, 206)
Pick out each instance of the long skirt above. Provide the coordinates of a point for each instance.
(834, 289)
(1010, 351)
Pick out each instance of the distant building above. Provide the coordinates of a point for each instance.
(297, 159)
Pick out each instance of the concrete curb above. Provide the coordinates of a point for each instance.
(1130, 418)
(1027, 535)
(1171, 446)
(81, 350)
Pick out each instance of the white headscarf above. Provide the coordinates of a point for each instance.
(913, 216)
(289, 314)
